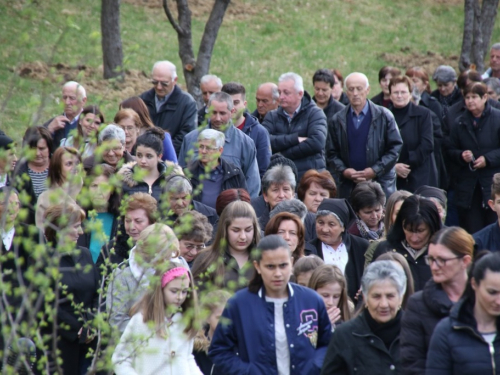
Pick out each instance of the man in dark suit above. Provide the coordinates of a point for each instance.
(170, 108)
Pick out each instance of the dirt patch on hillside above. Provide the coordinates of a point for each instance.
(430, 61)
(237, 9)
(136, 81)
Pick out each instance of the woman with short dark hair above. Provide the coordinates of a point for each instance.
(33, 174)
(475, 147)
(416, 165)
(417, 221)
(368, 201)
(152, 171)
(385, 75)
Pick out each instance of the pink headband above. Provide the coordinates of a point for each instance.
(172, 274)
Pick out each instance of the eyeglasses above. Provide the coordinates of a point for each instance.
(191, 246)
(164, 84)
(207, 148)
(440, 262)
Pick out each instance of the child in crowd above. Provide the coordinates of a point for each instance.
(329, 282)
(304, 267)
(159, 337)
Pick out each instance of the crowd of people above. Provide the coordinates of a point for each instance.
(325, 234)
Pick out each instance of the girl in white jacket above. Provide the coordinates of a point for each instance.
(159, 337)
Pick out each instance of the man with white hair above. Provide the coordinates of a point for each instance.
(363, 140)
(238, 149)
(212, 170)
(74, 98)
(170, 108)
(297, 128)
(267, 97)
(494, 69)
(209, 84)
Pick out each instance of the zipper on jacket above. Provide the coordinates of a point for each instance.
(491, 348)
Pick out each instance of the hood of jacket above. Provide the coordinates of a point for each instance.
(250, 122)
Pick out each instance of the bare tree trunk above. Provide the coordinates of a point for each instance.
(112, 50)
(193, 68)
(488, 16)
(477, 44)
(479, 21)
(464, 62)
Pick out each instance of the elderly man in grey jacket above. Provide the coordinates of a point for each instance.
(363, 140)
(239, 148)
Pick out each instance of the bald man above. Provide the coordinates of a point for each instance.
(74, 98)
(170, 108)
(363, 140)
(267, 99)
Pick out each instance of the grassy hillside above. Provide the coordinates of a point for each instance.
(258, 41)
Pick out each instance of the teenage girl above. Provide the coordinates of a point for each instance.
(329, 282)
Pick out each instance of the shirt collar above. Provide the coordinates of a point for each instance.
(7, 237)
(363, 112)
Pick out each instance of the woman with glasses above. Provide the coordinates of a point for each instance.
(137, 105)
(111, 149)
(416, 223)
(193, 232)
(450, 253)
(466, 342)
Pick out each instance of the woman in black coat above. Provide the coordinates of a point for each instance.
(417, 221)
(369, 344)
(475, 145)
(416, 165)
(80, 279)
(467, 342)
(450, 253)
(335, 245)
(384, 77)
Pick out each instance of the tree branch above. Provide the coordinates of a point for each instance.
(210, 34)
(171, 19)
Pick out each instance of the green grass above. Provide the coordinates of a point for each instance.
(285, 35)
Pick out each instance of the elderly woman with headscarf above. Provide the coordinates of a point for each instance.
(335, 245)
